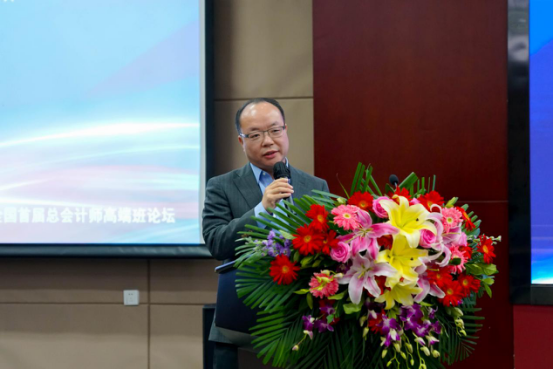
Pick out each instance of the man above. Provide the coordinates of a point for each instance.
(232, 199)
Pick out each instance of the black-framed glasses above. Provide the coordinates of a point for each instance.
(258, 135)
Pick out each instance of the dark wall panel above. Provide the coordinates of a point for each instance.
(413, 86)
(421, 86)
(533, 327)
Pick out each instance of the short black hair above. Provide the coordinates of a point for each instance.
(255, 101)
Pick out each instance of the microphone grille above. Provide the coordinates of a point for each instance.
(280, 170)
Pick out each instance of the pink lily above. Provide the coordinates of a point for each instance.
(427, 287)
(364, 237)
(439, 244)
(453, 236)
(361, 276)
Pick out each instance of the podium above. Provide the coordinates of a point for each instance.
(233, 318)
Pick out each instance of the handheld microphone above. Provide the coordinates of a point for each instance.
(280, 170)
(394, 180)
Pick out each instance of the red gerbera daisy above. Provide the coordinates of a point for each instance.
(373, 324)
(431, 198)
(469, 225)
(468, 283)
(363, 200)
(329, 242)
(283, 270)
(467, 251)
(441, 277)
(400, 192)
(453, 294)
(308, 240)
(485, 246)
(319, 215)
(385, 241)
(381, 281)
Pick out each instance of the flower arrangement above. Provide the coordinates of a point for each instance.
(369, 280)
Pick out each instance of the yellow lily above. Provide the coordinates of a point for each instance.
(402, 292)
(409, 219)
(403, 258)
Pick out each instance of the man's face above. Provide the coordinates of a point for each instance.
(268, 151)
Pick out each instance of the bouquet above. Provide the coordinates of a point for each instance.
(369, 280)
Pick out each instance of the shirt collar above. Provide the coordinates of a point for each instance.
(258, 171)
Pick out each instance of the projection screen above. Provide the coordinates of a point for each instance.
(102, 122)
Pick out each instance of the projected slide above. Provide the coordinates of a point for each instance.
(541, 140)
(100, 122)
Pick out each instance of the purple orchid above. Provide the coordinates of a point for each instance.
(364, 237)
(432, 312)
(322, 326)
(308, 322)
(420, 330)
(390, 327)
(437, 328)
(388, 323)
(431, 340)
(374, 308)
(409, 323)
(414, 311)
(393, 335)
(411, 316)
(327, 308)
(308, 325)
(361, 276)
(423, 329)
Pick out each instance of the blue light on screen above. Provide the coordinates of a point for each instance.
(541, 140)
(100, 121)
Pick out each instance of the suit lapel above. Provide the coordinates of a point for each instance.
(247, 185)
(298, 182)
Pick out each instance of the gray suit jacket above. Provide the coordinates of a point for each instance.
(230, 200)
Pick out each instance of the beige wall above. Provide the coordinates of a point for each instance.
(68, 313)
(263, 48)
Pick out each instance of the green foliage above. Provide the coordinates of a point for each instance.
(259, 288)
(423, 186)
(363, 181)
(453, 345)
(276, 333)
(409, 182)
(353, 308)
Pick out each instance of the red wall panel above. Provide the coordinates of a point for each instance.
(533, 333)
(413, 86)
(421, 86)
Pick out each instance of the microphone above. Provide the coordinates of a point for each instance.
(394, 180)
(280, 170)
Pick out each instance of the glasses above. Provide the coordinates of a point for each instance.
(258, 135)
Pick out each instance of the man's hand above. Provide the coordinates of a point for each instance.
(277, 190)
